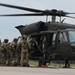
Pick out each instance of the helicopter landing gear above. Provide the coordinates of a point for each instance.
(67, 64)
(42, 61)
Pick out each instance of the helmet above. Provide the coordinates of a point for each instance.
(6, 40)
(15, 39)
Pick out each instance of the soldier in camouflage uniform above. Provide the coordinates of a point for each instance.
(14, 49)
(24, 51)
(9, 54)
(4, 50)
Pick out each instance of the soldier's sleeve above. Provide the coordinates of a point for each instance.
(3, 45)
(1, 49)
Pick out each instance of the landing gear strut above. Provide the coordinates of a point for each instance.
(42, 61)
(67, 64)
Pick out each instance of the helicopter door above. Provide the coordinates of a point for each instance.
(63, 47)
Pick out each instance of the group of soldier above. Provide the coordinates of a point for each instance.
(15, 53)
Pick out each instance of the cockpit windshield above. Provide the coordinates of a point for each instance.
(72, 36)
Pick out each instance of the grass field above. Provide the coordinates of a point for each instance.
(35, 63)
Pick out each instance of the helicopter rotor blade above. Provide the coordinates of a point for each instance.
(32, 14)
(68, 13)
(69, 17)
(21, 8)
(38, 12)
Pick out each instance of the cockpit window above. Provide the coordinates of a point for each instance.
(62, 37)
(72, 36)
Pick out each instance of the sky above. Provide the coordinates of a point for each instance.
(7, 24)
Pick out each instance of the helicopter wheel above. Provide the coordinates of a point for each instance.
(42, 61)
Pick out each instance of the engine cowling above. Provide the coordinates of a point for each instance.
(32, 28)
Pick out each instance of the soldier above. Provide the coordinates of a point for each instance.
(34, 45)
(14, 49)
(9, 54)
(24, 51)
(4, 46)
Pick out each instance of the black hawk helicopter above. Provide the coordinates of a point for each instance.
(53, 40)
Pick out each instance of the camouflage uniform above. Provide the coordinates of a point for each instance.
(1, 55)
(4, 50)
(14, 49)
(9, 54)
(24, 51)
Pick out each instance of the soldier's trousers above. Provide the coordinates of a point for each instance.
(24, 55)
(2, 59)
(9, 58)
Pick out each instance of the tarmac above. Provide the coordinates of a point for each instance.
(35, 71)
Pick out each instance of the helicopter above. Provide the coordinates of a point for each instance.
(53, 40)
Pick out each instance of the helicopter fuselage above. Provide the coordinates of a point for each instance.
(53, 40)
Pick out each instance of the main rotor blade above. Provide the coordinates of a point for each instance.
(32, 14)
(21, 8)
(68, 13)
(52, 12)
(69, 16)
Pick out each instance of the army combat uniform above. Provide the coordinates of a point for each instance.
(9, 54)
(4, 50)
(14, 50)
(1, 56)
(24, 51)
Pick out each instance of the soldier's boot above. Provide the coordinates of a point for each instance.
(22, 64)
(14, 63)
(27, 65)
